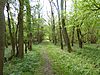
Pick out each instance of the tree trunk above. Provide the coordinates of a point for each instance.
(6, 39)
(38, 30)
(10, 31)
(26, 46)
(73, 36)
(20, 35)
(61, 40)
(53, 24)
(79, 37)
(2, 34)
(65, 36)
(30, 42)
(60, 29)
(28, 17)
(64, 30)
(16, 39)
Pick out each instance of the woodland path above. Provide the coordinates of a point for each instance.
(47, 68)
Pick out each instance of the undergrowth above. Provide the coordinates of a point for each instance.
(84, 61)
(27, 66)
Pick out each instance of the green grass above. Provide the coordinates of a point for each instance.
(27, 66)
(85, 61)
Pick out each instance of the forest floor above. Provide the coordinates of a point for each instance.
(47, 68)
(48, 59)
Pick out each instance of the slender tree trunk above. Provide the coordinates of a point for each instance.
(30, 41)
(28, 17)
(38, 34)
(10, 31)
(60, 29)
(38, 30)
(64, 30)
(53, 24)
(26, 46)
(65, 36)
(61, 40)
(6, 39)
(2, 34)
(79, 37)
(16, 39)
(20, 35)
(73, 36)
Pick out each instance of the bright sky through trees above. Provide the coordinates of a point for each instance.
(45, 7)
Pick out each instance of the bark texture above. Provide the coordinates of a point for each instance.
(2, 34)
(64, 29)
(20, 35)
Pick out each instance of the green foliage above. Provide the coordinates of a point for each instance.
(81, 62)
(85, 15)
(7, 52)
(84, 61)
(26, 66)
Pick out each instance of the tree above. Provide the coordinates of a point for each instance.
(79, 37)
(72, 41)
(53, 24)
(64, 30)
(2, 34)
(28, 18)
(85, 19)
(10, 31)
(20, 35)
(59, 22)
